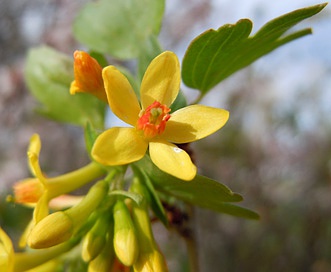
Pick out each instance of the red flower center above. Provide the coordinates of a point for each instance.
(153, 119)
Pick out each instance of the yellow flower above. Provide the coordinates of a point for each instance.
(41, 189)
(154, 127)
(88, 76)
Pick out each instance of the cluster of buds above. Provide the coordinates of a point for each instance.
(113, 230)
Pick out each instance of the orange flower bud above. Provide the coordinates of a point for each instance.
(88, 76)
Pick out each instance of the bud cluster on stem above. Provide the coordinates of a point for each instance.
(60, 226)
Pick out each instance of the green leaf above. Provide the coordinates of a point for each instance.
(118, 28)
(235, 210)
(201, 191)
(135, 197)
(48, 75)
(216, 54)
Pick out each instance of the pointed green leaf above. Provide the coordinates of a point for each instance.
(201, 191)
(217, 54)
(135, 197)
(48, 75)
(235, 210)
(118, 28)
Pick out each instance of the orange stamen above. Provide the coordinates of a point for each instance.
(153, 119)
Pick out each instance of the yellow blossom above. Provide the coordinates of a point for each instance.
(154, 127)
(88, 76)
(41, 189)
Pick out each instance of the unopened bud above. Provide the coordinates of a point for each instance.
(125, 240)
(95, 239)
(88, 76)
(153, 261)
(52, 230)
(105, 260)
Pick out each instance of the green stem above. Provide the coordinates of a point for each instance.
(198, 99)
(27, 260)
(191, 243)
(192, 253)
(71, 181)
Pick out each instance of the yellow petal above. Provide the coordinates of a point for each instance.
(34, 148)
(41, 210)
(172, 160)
(118, 146)
(161, 81)
(6, 252)
(193, 123)
(121, 97)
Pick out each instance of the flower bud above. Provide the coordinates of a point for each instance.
(50, 231)
(153, 261)
(88, 76)
(92, 246)
(95, 239)
(105, 260)
(150, 258)
(125, 240)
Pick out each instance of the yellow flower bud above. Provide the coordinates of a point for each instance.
(105, 260)
(52, 230)
(92, 246)
(125, 240)
(95, 239)
(150, 258)
(153, 261)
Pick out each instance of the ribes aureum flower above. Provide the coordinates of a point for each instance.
(88, 76)
(40, 190)
(154, 125)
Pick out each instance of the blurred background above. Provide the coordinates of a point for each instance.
(275, 150)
